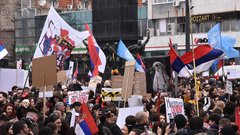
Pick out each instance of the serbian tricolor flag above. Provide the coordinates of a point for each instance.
(177, 64)
(98, 58)
(217, 64)
(140, 62)
(205, 55)
(87, 125)
(3, 51)
(75, 74)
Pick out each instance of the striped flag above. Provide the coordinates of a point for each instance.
(3, 51)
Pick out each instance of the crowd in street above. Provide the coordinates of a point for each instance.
(22, 112)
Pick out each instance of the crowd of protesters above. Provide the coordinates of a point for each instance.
(22, 112)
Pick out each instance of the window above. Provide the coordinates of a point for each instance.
(162, 1)
(195, 28)
(181, 28)
(205, 27)
(235, 25)
(226, 25)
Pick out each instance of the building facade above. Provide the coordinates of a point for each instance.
(167, 19)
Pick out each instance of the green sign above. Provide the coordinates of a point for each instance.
(24, 49)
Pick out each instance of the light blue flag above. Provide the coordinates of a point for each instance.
(227, 47)
(214, 36)
(124, 53)
(224, 43)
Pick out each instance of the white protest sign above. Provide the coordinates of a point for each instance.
(70, 69)
(111, 94)
(47, 94)
(78, 96)
(174, 106)
(11, 77)
(232, 72)
(124, 112)
(135, 100)
(229, 88)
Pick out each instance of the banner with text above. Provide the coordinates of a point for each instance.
(174, 106)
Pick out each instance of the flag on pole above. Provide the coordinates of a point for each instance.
(75, 75)
(3, 51)
(217, 64)
(177, 64)
(58, 38)
(124, 53)
(87, 126)
(204, 57)
(97, 56)
(140, 62)
(224, 43)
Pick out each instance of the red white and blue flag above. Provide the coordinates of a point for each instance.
(87, 125)
(205, 55)
(3, 51)
(98, 58)
(177, 64)
(75, 75)
(140, 62)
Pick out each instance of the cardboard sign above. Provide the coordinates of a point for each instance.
(140, 83)
(174, 106)
(111, 94)
(44, 71)
(78, 96)
(49, 88)
(127, 85)
(117, 81)
(62, 76)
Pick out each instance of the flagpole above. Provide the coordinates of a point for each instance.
(194, 64)
(223, 73)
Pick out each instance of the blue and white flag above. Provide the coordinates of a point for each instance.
(3, 51)
(124, 53)
(224, 43)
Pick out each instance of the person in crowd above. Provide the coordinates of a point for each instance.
(205, 116)
(229, 109)
(136, 131)
(3, 100)
(181, 123)
(45, 131)
(53, 128)
(214, 122)
(110, 121)
(21, 128)
(56, 120)
(23, 108)
(61, 107)
(130, 122)
(9, 111)
(196, 127)
(141, 120)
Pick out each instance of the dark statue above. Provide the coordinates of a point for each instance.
(139, 47)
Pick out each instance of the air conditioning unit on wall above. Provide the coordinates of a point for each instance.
(79, 6)
(176, 3)
(69, 6)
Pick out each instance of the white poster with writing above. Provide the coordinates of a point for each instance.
(78, 96)
(174, 106)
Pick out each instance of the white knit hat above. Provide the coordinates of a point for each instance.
(26, 100)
